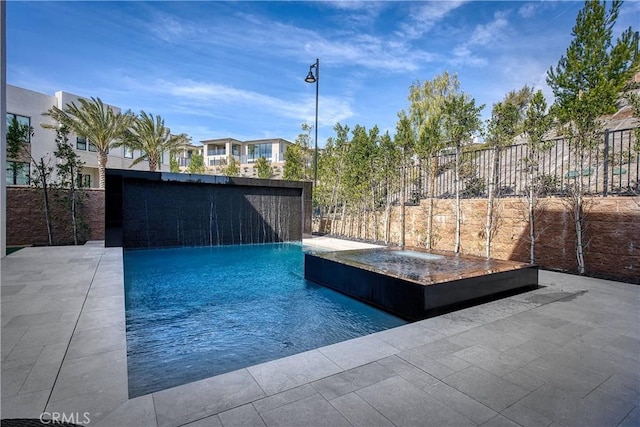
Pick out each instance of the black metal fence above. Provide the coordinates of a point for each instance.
(612, 168)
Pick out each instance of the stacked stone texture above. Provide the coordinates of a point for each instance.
(26, 224)
(613, 232)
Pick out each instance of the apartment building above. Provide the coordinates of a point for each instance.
(216, 153)
(27, 106)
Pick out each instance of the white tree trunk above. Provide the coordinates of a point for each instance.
(456, 247)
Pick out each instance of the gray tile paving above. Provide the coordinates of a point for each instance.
(293, 371)
(245, 415)
(313, 411)
(358, 412)
(200, 399)
(284, 398)
(487, 388)
(354, 379)
(358, 351)
(409, 405)
(470, 408)
(565, 354)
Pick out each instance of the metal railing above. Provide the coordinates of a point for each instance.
(610, 168)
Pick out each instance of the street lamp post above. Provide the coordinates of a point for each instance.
(314, 79)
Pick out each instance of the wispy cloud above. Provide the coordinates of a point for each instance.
(340, 46)
(529, 10)
(210, 97)
(483, 35)
(357, 13)
(425, 16)
(169, 28)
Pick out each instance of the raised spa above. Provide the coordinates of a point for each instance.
(415, 284)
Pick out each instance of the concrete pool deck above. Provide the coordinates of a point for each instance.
(565, 354)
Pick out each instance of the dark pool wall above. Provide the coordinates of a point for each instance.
(155, 209)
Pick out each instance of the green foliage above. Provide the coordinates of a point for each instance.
(17, 138)
(264, 168)
(96, 122)
(232, 168)
(71, 194)
(404, 138)
(586, 83)
(150, 136)
(634, 101)
(507, 118)
(590, 76)
(547, 184)
(388, 159)
(426, 112)
(298, 157)
(461, 119)
(294, 166)
(18, 135)
(174, 165)
(196, 164)
(536, 124)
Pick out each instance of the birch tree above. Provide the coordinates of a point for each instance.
(536, 124)
(461, 120)
(505, 124)
(426, 112)
(405, 141)
(586, 83)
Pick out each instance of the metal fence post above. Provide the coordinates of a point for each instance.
(605, 177)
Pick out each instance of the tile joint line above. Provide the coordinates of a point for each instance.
(64, 357)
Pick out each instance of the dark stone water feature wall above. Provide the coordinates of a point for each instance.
(155, 209)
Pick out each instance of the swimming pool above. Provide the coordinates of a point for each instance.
(192, 313)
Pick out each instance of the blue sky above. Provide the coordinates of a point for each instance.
(216, 69)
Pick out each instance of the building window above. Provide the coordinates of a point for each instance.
(83, 180)
(23, 120)
(235, 150)
(81, 144)
(18, 173)
(259, 150)
(216, 150)
(128, 153)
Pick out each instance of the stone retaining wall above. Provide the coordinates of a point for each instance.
(613, 229)
(26, 224)
(613, 232)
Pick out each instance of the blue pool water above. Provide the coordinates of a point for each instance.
(197, 312)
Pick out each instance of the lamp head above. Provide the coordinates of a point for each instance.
(310, 77)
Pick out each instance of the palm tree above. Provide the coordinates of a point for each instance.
(152, 138)
(96, 122)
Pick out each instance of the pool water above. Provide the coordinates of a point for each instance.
(192, 313)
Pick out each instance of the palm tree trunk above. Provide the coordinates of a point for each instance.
(102, 165)
(153, 164)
